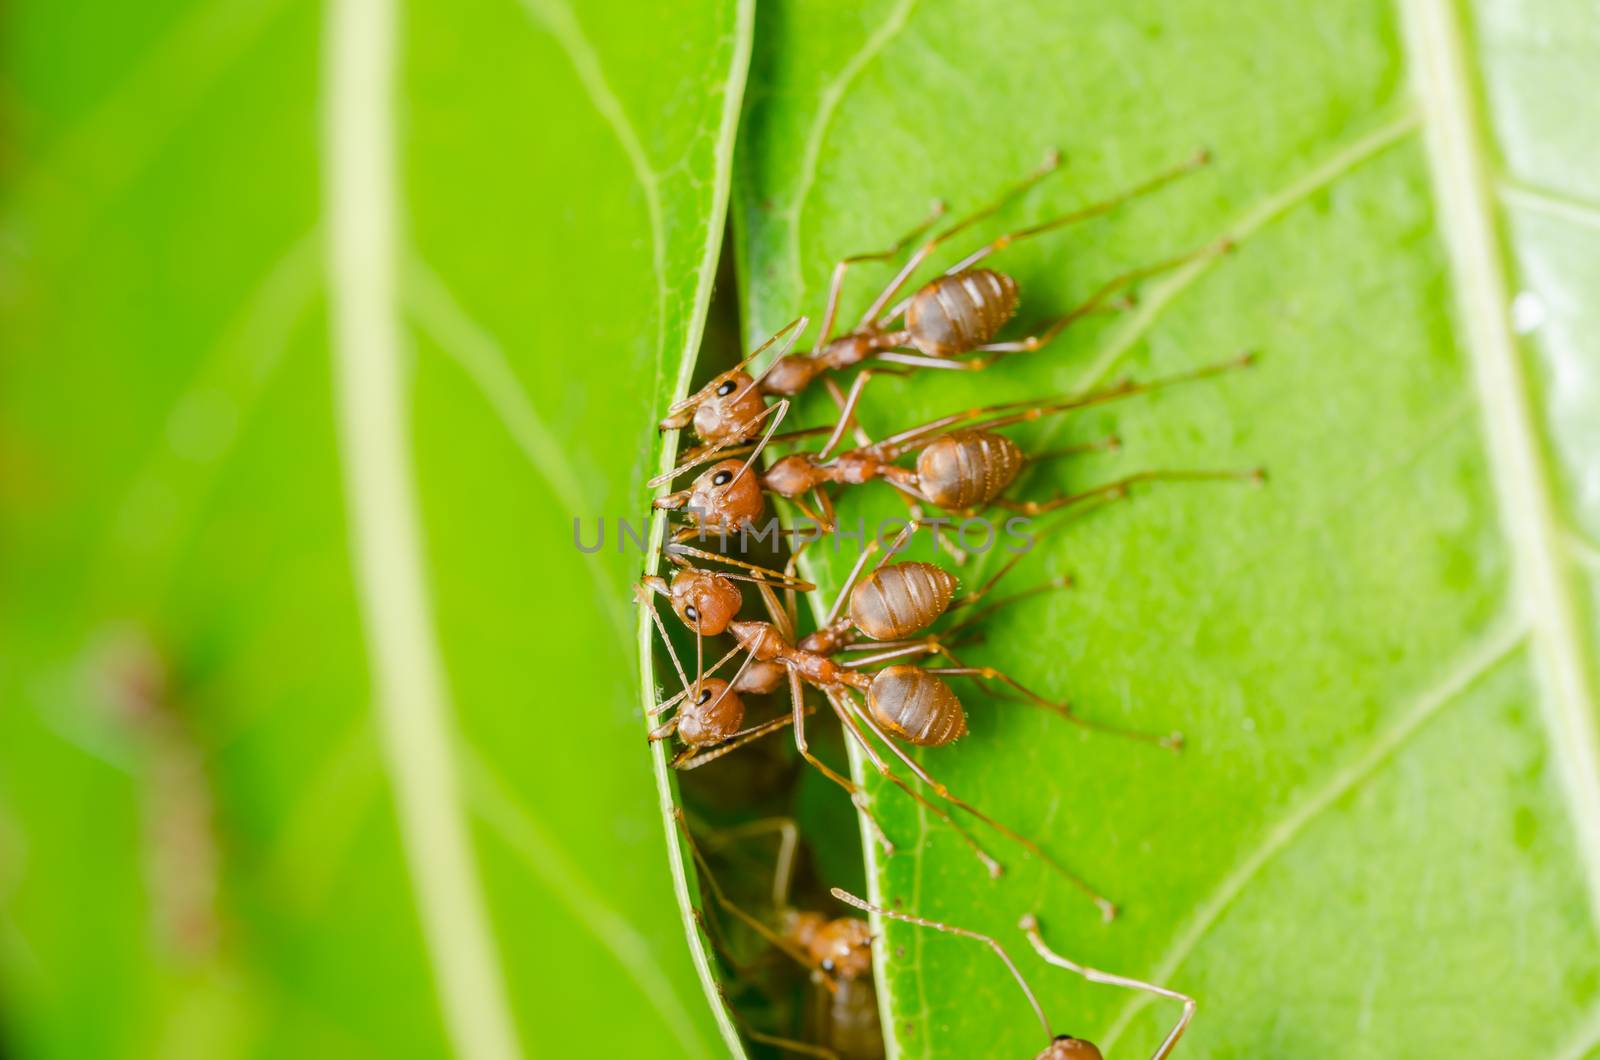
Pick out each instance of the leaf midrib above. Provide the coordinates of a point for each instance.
(371, 400)
(1460, 164)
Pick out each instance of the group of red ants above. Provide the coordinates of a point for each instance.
(869, 656)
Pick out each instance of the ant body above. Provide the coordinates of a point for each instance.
(962, 465)
(957, 313)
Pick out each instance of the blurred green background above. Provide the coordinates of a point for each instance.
(322, 322)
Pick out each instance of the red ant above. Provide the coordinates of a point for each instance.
(962, 465)
(957, 313)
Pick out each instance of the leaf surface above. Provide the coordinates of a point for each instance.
(324, 323)
(1385, 830)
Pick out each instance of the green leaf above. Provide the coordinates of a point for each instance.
(1384, 833)
(323, 324)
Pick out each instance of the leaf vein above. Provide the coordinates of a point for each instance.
(1160, 294)
(1477, 660)
(484, 360)
(558, 18)
(371, 400)
(1552, 204)
(520, 831)
(830, 97)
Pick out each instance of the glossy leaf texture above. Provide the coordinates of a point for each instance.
(323, 323)
(1384, 834)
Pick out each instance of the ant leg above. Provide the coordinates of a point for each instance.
(1063, 582)
(695, 757)
(1013, 412)
(1083, 213)
(1030, 925)
(752, 922)
(713, 934)
(823, 515)
(832, 386)
(894, 914)
(1053, 585)
(788, 843)
(836, 284)
(914, 509)
(1096, 300)
(1118, 488)
(857, 796)
(757, 573)
(847, 413)
(922, 360)
(993, 867)
(872, 317)
(1172, 741)
(1111, 443)
(643, 596)
(1107, 909)
(889, 652)
(787, 1044)
(656, 711)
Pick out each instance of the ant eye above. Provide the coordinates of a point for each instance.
(726, 388)
(722, 478)
(691, 613)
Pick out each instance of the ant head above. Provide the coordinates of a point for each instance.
(711, 714)
(843, 948)
(727, 494)
(801, 926)
(704, 600)
(731, 404)
(1066, 1047)
(792, 476)
(720, 411)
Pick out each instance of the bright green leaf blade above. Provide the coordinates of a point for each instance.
(324, 325)
(1385, 831)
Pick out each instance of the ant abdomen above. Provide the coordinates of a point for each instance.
(955, 314)
(848, 1021)
(898, 600)
(967, 469)
(711, 716)
(916, 706)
